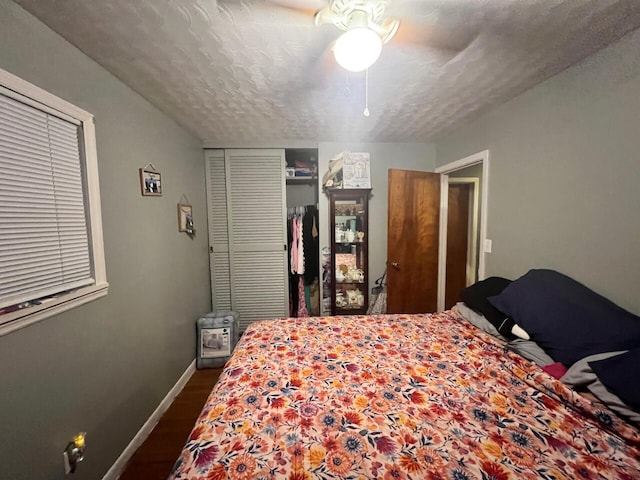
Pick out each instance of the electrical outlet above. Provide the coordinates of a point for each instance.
(67, 465)
(74, 453)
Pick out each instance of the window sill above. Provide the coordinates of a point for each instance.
(21, 318)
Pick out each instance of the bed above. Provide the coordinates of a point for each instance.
(426, 396)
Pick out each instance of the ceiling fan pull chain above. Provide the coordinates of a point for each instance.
(366, 93)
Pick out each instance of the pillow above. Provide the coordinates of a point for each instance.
(568, 320)
(525, 348)
(614, 402)
(475, 296)
(478, 320)
(620, 374)
(531, 351)
(556, 370)
(581, 374)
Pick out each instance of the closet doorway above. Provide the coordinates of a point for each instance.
(303, 231)
(462, 236)
(474, 172)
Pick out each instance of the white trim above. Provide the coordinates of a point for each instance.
(92, 197)
(40, 98)
(29, 90)
(480, 157)
(463, 162)
(22, 318)
(442, 243)
(118, 467)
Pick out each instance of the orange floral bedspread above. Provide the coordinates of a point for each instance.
(396, 397)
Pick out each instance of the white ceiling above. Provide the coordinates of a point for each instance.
(252, 71)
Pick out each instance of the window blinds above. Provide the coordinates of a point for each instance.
(44, 246)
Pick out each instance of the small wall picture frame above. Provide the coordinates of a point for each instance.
(150, 182)
(185, 218)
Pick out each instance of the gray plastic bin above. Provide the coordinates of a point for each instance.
(217, 335)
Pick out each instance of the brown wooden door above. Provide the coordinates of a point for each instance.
(457, 242)
(412, 241)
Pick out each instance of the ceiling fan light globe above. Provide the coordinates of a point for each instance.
(357, 49)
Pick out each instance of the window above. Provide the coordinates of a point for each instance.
(51, 249)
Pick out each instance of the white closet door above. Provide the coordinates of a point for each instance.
(257, 233)
(218, 230)
(247, 232)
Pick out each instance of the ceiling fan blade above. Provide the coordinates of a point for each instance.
(321, 64)
(446, 39)
(307, 8)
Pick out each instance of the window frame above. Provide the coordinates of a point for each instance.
(41, 99)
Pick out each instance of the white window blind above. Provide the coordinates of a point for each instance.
(44, 244)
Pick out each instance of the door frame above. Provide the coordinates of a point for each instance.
(472, 240)
(444, 170)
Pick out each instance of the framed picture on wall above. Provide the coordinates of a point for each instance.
(185, 218)
(356, 171)
(150, 183)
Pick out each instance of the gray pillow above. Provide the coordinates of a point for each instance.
(614, 402)
(526, 348)
(581, 375)
(479, 321)
(531, 351)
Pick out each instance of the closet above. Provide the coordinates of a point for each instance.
(247, 198)
(303, 230)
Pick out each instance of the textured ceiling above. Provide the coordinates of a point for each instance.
(255, 71)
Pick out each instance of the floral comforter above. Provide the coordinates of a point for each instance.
(396, 397)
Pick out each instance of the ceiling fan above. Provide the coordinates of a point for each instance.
(367, 27)
(365, 31)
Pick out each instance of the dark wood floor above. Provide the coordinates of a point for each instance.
(156, 456)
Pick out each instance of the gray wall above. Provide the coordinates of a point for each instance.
(406, 156)
(104, 367)
(565, 173)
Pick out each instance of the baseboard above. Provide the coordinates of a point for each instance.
(118, 467)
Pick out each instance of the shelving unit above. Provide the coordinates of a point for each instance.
(301, 180)
(349, 218)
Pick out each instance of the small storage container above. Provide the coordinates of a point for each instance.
(217, 334)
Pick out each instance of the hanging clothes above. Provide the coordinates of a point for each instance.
(300, 263)
(303, 240)
(311, 245)
(295, 224)
(294, 245)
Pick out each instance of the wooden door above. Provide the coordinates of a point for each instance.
(412, 241)
(457, 242)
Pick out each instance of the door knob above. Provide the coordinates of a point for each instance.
(395, 265)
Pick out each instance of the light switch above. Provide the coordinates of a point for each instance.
(487, 245)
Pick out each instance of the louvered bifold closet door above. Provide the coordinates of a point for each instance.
(218, 230)
(257, 234)
(43, 232)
